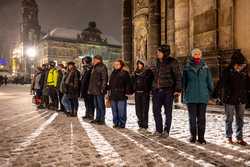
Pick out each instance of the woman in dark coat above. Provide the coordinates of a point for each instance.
(197, 87)
(71, 86)
(142, 84)
(119, 86)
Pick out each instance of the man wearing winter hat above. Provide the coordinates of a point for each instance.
(166, 85)
(98, 88)
(235, 81)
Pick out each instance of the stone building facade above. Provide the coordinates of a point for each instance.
(218, 27)
(63, 45)
(60, 45)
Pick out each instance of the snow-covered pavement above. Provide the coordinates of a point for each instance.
(45, 138)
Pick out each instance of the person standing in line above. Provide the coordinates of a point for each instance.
(37, 87)
(52, 83)
(166, 85)
(59, 93)
(119, 86)
(142, 84)
(98, 88)
(88, 98)
(235, 82)
(71, 90)
(43, 82)
(5, 80)
(197, 88)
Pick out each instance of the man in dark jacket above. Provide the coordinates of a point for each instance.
(97, 88)
(43, 83)
(88, 98)
(235, 86)
(166, 85)
(142, 83)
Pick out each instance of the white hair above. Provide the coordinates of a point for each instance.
(196, 50)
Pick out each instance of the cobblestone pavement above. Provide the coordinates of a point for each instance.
(45, 138)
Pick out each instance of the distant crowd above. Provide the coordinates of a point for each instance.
(59, 88)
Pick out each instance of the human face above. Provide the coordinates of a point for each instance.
(96, 61)
(160, 55)
(117, 65)
(140, 66)
(239, 67)
(197, 55)
(70, 67)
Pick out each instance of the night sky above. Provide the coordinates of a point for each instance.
(62, 13)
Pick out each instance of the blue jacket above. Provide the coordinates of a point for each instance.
(197, 82)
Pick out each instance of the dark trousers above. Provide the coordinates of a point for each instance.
(60, 96)
(53, 96)
(142, 108)
(163, 98)
(119, 111)
(238, 110)
(89, 106)
(197, 119)
(100, 108)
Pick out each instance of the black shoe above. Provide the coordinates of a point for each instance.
(94, 121)
(85, 117)
(101, 123)
(192, 139)
(202, 141)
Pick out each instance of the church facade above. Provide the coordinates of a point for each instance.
(218, 27)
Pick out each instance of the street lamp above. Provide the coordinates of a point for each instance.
(31, 52)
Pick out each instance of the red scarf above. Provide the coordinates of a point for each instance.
(197, 61)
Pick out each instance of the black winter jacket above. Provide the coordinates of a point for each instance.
(98, 80)
(167, 75)
(235, 85)
(143, 80)
(119, 85)
(71, 84)
(85, 78)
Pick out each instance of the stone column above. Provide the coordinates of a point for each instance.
(170, 25)
(127, 33)
(154, 27)
(181, 27)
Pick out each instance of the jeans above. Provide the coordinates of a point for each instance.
(163, 98)
(90, 106)
(239, 116)
(100, 108)
(67, 103)
(71, 104)
(119, 110)
(197, 119)
(142, 108)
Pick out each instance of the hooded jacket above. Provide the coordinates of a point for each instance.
(197, 82)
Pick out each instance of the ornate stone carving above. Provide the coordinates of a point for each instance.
(139, 4)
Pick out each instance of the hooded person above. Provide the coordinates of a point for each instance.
(166, 85)
(235, 83)
(197, 88)
(85, 79)
(142, 80)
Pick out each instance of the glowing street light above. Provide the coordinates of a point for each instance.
(31, 52)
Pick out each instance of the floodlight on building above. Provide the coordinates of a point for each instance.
(31, 52)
